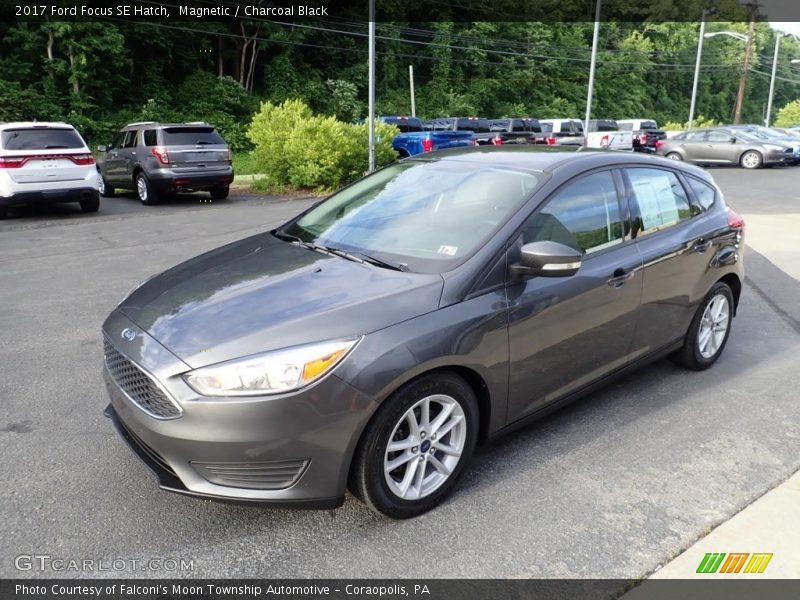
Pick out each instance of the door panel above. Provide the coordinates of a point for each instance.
(565, 332)
(675, 256)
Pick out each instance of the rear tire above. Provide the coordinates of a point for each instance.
(220, 192)
(3, 213)
(751, 160)
(91, 204)
(674, 156)
(707, 335)
(433, 423)
(145, 191)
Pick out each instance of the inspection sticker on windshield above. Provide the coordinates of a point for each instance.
(448, 250)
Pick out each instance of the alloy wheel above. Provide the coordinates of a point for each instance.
(425, 447)
(141, 188)
(713, 326)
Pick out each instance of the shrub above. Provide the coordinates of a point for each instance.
(698, 123)
(789, 115)
(297, 148)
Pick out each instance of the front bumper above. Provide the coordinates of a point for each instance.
(213, 448)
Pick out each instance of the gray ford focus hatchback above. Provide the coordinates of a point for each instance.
(372, 341)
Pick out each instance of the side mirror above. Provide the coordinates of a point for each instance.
(547, 259)
(732, 140)
(102, 148)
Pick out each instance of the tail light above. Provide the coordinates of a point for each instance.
(735, 221)
(229, 156)
(497, 141)
(12, 162)
(604, 140)
(659, 143)
(161, 154)
(83, 159)
(427, 145)
(475, 142)
(643, 139)
(551, 140)
(15, 162)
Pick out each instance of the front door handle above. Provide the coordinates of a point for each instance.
(621, 277)
(701, 245)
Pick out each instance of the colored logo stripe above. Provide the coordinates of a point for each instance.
(758, 562)
(712, 562)
(734, 562)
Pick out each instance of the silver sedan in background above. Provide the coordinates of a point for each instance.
(725, 146)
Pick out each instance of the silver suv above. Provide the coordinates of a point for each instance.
(159, 159)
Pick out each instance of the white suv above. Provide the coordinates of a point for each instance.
(45, 163)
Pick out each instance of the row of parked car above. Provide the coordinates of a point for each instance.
(47, 163)
(419, 136)
(750, 146)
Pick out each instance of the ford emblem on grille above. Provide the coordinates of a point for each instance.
(128, 334)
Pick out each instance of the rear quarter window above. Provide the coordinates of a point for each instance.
(705, 195)
(150, 137)
(40, 139)
(660, 198)
(191, 136)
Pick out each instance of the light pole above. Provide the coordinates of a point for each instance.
(778, 36)
(706, 12)
(371, 86)
(595, 35)
(743, 38)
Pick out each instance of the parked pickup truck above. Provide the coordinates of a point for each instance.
(419, 142)
(512, 131)
(645, 133)
(404, 124)
(606, 133)
(564, 132)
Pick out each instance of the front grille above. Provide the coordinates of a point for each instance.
(138, 386)
(267, 475)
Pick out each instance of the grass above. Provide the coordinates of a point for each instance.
(244, 164)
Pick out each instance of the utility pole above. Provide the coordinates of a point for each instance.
(411, 83)
(737, 111)
(778, 36)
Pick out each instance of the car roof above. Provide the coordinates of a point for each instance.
(550, 159)
(36, 125)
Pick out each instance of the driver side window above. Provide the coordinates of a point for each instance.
(584, 215)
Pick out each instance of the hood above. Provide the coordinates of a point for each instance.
(261, 294)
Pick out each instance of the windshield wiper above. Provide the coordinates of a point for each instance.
(361, 257)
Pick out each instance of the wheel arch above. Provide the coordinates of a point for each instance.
(732, 281)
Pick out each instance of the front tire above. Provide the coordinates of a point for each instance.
(751, 160)
(674, 156)
(709, 330)
(145, 191)
(416, 446)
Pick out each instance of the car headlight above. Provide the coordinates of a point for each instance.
(273, 372)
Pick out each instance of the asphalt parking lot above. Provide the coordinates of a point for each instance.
(611, 487)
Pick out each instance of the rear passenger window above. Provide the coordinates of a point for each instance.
(704, 194)
(130, 140)
(584, 215)
(150, 137)
(662, 201)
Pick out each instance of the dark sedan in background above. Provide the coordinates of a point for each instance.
(724, 146)
(374, 339)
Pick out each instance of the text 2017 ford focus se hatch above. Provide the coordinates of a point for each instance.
(372, 341)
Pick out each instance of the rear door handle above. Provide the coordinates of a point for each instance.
(701, 245)
(621, 277)
(133, 153)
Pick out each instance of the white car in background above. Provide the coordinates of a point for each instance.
(46, 163)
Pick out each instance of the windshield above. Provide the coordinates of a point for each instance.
(426, 216)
